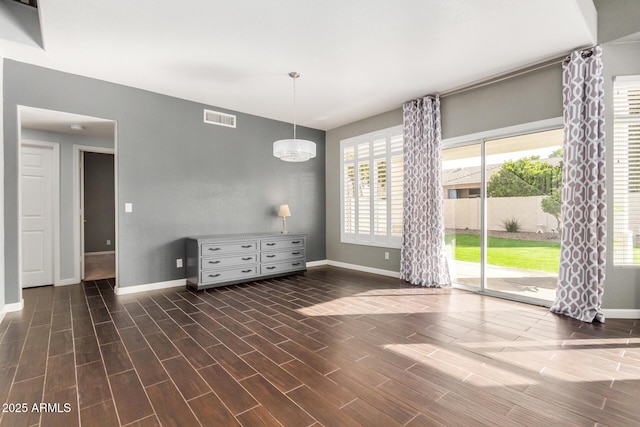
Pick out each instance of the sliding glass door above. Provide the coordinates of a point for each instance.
(502, 214)
(462, 181)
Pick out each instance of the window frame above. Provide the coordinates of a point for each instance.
(620, 173)
(370, 238)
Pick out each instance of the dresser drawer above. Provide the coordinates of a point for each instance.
(210, 263)
(215, 249)
(281, 243)
(216, 276)
(271, 257)
(267, 269)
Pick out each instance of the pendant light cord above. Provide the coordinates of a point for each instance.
(295, 76)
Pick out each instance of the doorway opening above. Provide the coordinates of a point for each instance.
(68, 136)
(97, 211)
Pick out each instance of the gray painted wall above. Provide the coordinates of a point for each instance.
(66, 142)
(490, 107)
(524, 99)
(2, 282)
(617, 19)
(99, 203)
(183, 177)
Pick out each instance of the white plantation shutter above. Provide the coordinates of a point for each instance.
(349, 191)
(379, 207)
(396, 179)
(364, 190)
(626, 170)
(371, 194)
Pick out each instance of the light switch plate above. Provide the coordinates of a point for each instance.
(128, 207)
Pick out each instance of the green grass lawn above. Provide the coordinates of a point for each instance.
(525, 254)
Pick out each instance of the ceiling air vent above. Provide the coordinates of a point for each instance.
(220, 119)
(32, 3)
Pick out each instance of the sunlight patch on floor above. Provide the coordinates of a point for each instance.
(388, 301)
(523, 363)
(459, 366)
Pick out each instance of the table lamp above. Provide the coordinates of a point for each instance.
(284, 212)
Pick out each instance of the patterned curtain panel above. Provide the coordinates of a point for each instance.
(423, 260)
(584, 201)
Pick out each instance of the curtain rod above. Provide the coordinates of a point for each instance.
(504, 77)
(585, 53)
(517, 73)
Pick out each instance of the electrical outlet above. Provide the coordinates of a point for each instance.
(128, 207)
(108, 242)
(386, 255)
(179, 263)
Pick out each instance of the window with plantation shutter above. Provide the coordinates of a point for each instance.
(371, 188)
(626, 170)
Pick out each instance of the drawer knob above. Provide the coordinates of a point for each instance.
(214, 275)
(296, 253)
(247, 271)
(271, 244)
(247, 258)
(270, 268)
(295, 263)
(214, 262)
(295, 242)
(214, 249)
(246, 246)
(270, 256)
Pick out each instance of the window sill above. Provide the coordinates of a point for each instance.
(373, 244)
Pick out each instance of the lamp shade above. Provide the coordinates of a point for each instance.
(284, 211)
(294, 150)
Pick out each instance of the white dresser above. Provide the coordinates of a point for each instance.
(219, 260)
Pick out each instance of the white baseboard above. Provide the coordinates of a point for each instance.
(8, 308)
(150, 287)
(16, 306)
(357, 267)
(67, 282)
(388, 273)
(613, 313)
(317, 263)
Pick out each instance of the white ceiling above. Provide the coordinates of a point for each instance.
(357, 58)
(62, 122)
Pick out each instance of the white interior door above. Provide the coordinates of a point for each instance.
(36, 207)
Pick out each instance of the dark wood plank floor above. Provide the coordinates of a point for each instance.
(332, 347)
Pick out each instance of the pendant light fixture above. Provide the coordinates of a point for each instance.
(294, 150)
